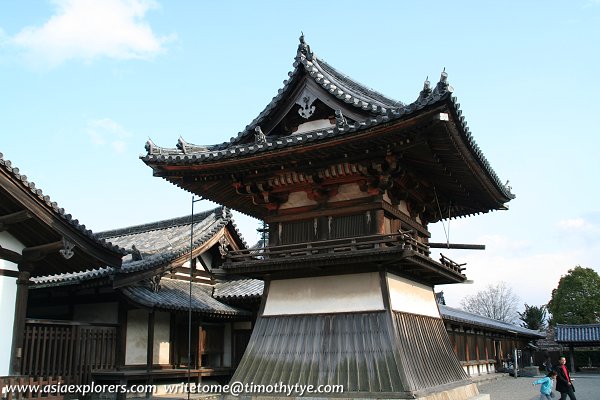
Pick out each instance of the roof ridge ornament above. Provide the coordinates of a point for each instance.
(426, 92)
(181, 144)
(304, 48)
(259, 136)
(150, 146)
(443, 86)
(136, 255)
(340, 121)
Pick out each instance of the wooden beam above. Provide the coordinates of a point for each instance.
(14, 218)
(9, 273)
(457, 246)
(38, 253)
(9, 255)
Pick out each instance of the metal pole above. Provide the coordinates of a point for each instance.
(515, 364)
(189, 377)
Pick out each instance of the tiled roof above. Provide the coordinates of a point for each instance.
(457, 315)
(72, 277)
(53, 207)
(173, 294)
(383, 110)
(159, 243)
(240, 289)
(588, 333)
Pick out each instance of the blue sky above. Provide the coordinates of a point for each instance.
(85, 83)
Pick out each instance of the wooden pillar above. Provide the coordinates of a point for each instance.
(477, 351)
(150, 351)
(572, 358)
(379, 222)
(19, 322)
(173, 342)
(121, 334)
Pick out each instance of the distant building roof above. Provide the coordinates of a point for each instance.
(173, 294)
(158, 242)
(585, 334)
(454, 314)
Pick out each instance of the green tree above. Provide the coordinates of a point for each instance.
(576, 300)
(533, 317)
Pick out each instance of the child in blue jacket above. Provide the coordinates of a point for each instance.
(546, 389)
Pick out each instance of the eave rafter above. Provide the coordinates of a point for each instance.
(33, 254)
(14, 218)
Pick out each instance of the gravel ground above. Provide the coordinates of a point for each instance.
(508, 388)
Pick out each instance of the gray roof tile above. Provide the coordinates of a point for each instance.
(457, 315)
(159, 242)
(240, 289)
(585, 333)
(173, 294)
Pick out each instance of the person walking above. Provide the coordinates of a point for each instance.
(564, 383)
(546, 388)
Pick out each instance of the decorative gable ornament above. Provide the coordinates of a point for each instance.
(67, 250)
(305, 101)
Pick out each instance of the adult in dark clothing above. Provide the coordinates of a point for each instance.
(564, 384)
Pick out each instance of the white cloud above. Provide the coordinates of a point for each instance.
(575, 224)
(89, 29)
(107, 132)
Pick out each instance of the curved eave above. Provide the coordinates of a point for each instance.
(280, 150)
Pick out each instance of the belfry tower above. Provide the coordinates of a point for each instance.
(348, 181)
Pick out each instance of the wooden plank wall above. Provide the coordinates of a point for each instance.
(72, 351)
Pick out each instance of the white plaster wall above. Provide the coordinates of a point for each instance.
(412, 297)
(348, 191)
(207, 259)
(326, 294)
(8, 296)
(227, 346)
(298, 199)
(137, 337)
(103, 313)
(313, 125)
(162, 336)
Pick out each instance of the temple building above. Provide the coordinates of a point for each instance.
(131, 324)
(37, 238)
(347, 181)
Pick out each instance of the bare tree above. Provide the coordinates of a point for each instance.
(496, 301)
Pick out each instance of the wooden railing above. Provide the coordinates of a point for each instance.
(68, 349)
(402, 239)
(448, 263)
(22, 387)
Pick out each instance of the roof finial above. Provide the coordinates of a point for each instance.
(149, 146)
(443, 86)
(304, 48)
(426, 90)
(444, 76)
(181, 144)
